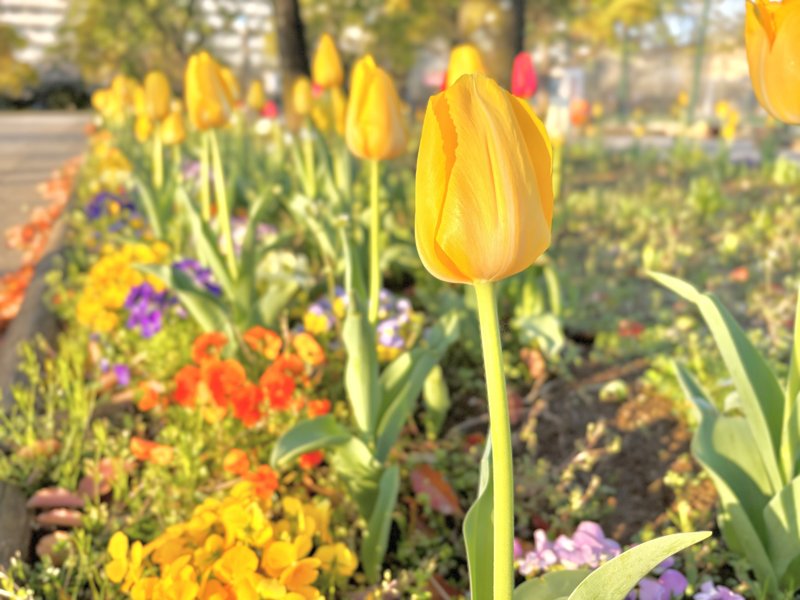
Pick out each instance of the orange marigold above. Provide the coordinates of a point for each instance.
(236, 462)
(264, 341)
(208, 346)
(309, 460)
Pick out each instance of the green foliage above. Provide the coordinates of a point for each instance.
(751, 449)
(15, 77)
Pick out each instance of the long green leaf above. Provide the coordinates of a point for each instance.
(402, 381)
(436, 398)
(550, 586)
(355, 464)
(758, 388)
(147, 201)
(722, 444)
(361, 370)
(791, 413)
(782, 519)
(307, 436)
(617, 577)
(477, 529)
(376, 537)
(207, 245)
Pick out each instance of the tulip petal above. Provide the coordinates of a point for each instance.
(540, 151)
(782, 69)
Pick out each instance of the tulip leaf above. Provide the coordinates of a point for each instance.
(478, 534)
(614, 579)
(436, 398)
(307, 436)
(760, 393)
(782, 520)
(361, 370)
(354, 462)
(402, 381)
(275, 300)
(207, 245)
(791, 422)
(149, 206)
(376, 537)
(550, 586)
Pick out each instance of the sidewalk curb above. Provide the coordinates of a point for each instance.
(34, 318)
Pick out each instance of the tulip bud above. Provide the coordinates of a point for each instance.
(142, 128)
(374, 127)
(464, 60)
(523, 76)
(255, 95)
(173, 131)
(297, 102)
(326, 70)
(139, 101)
(208, 99)
(232, 82)
(771, 32)
(122, 88)
(157, 95)
(579, 112)
(484, 189)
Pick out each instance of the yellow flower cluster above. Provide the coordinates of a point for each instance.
(110, 280)
(242, 547)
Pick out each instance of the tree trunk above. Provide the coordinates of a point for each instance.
(518, 27)
(291, 39)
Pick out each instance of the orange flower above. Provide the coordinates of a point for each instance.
(278, 387)
(236, 462)
(264, 480)
(186, 381)
(309, 460)
(149, 451)
(309, 349)
(151, 396)
(207, 346)
(318, 408)
(224, 378)
(264, 341)
(246, 401)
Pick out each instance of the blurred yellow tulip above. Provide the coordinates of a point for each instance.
(142, 128)
(100, 100)
(326, 69)
(374, 127)
(232, 82)
(484, 189)
(139, 101)
(123, 89)
(173, 131)
(464, 60)
(208, 100)
(339, 107)
(157, 95)
(297, 102)
(255, 95)
(330, 111)
(772, 31)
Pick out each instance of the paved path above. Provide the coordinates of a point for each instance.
(32, 144)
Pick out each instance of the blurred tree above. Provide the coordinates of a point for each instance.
(292, 47)
(104, 37)
(16, 78)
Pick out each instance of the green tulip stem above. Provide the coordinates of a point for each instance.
(223, 209)
(158, 158)
(205, 179)
(308, 157)
(500, 431)
(374, 242)
(177, 158)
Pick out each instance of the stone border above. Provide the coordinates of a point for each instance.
(34, 318)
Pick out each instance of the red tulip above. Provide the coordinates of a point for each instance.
(524, 80)
(269, 110)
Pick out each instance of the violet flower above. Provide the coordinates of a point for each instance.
(146, 309)
(123, 375)
(709, 591)
(200, 275)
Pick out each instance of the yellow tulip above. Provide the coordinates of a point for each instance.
(484, 184)
(139, 101)
(232, 82)
(123, 88)
(255, 95)
(339, 105)
(142, 128)
(208, 100)
(464, 60)
(771, 33)
(100, 100)
(157, 95)
(326, 69)
(173, 131)
(297, 102)
(374, 127)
